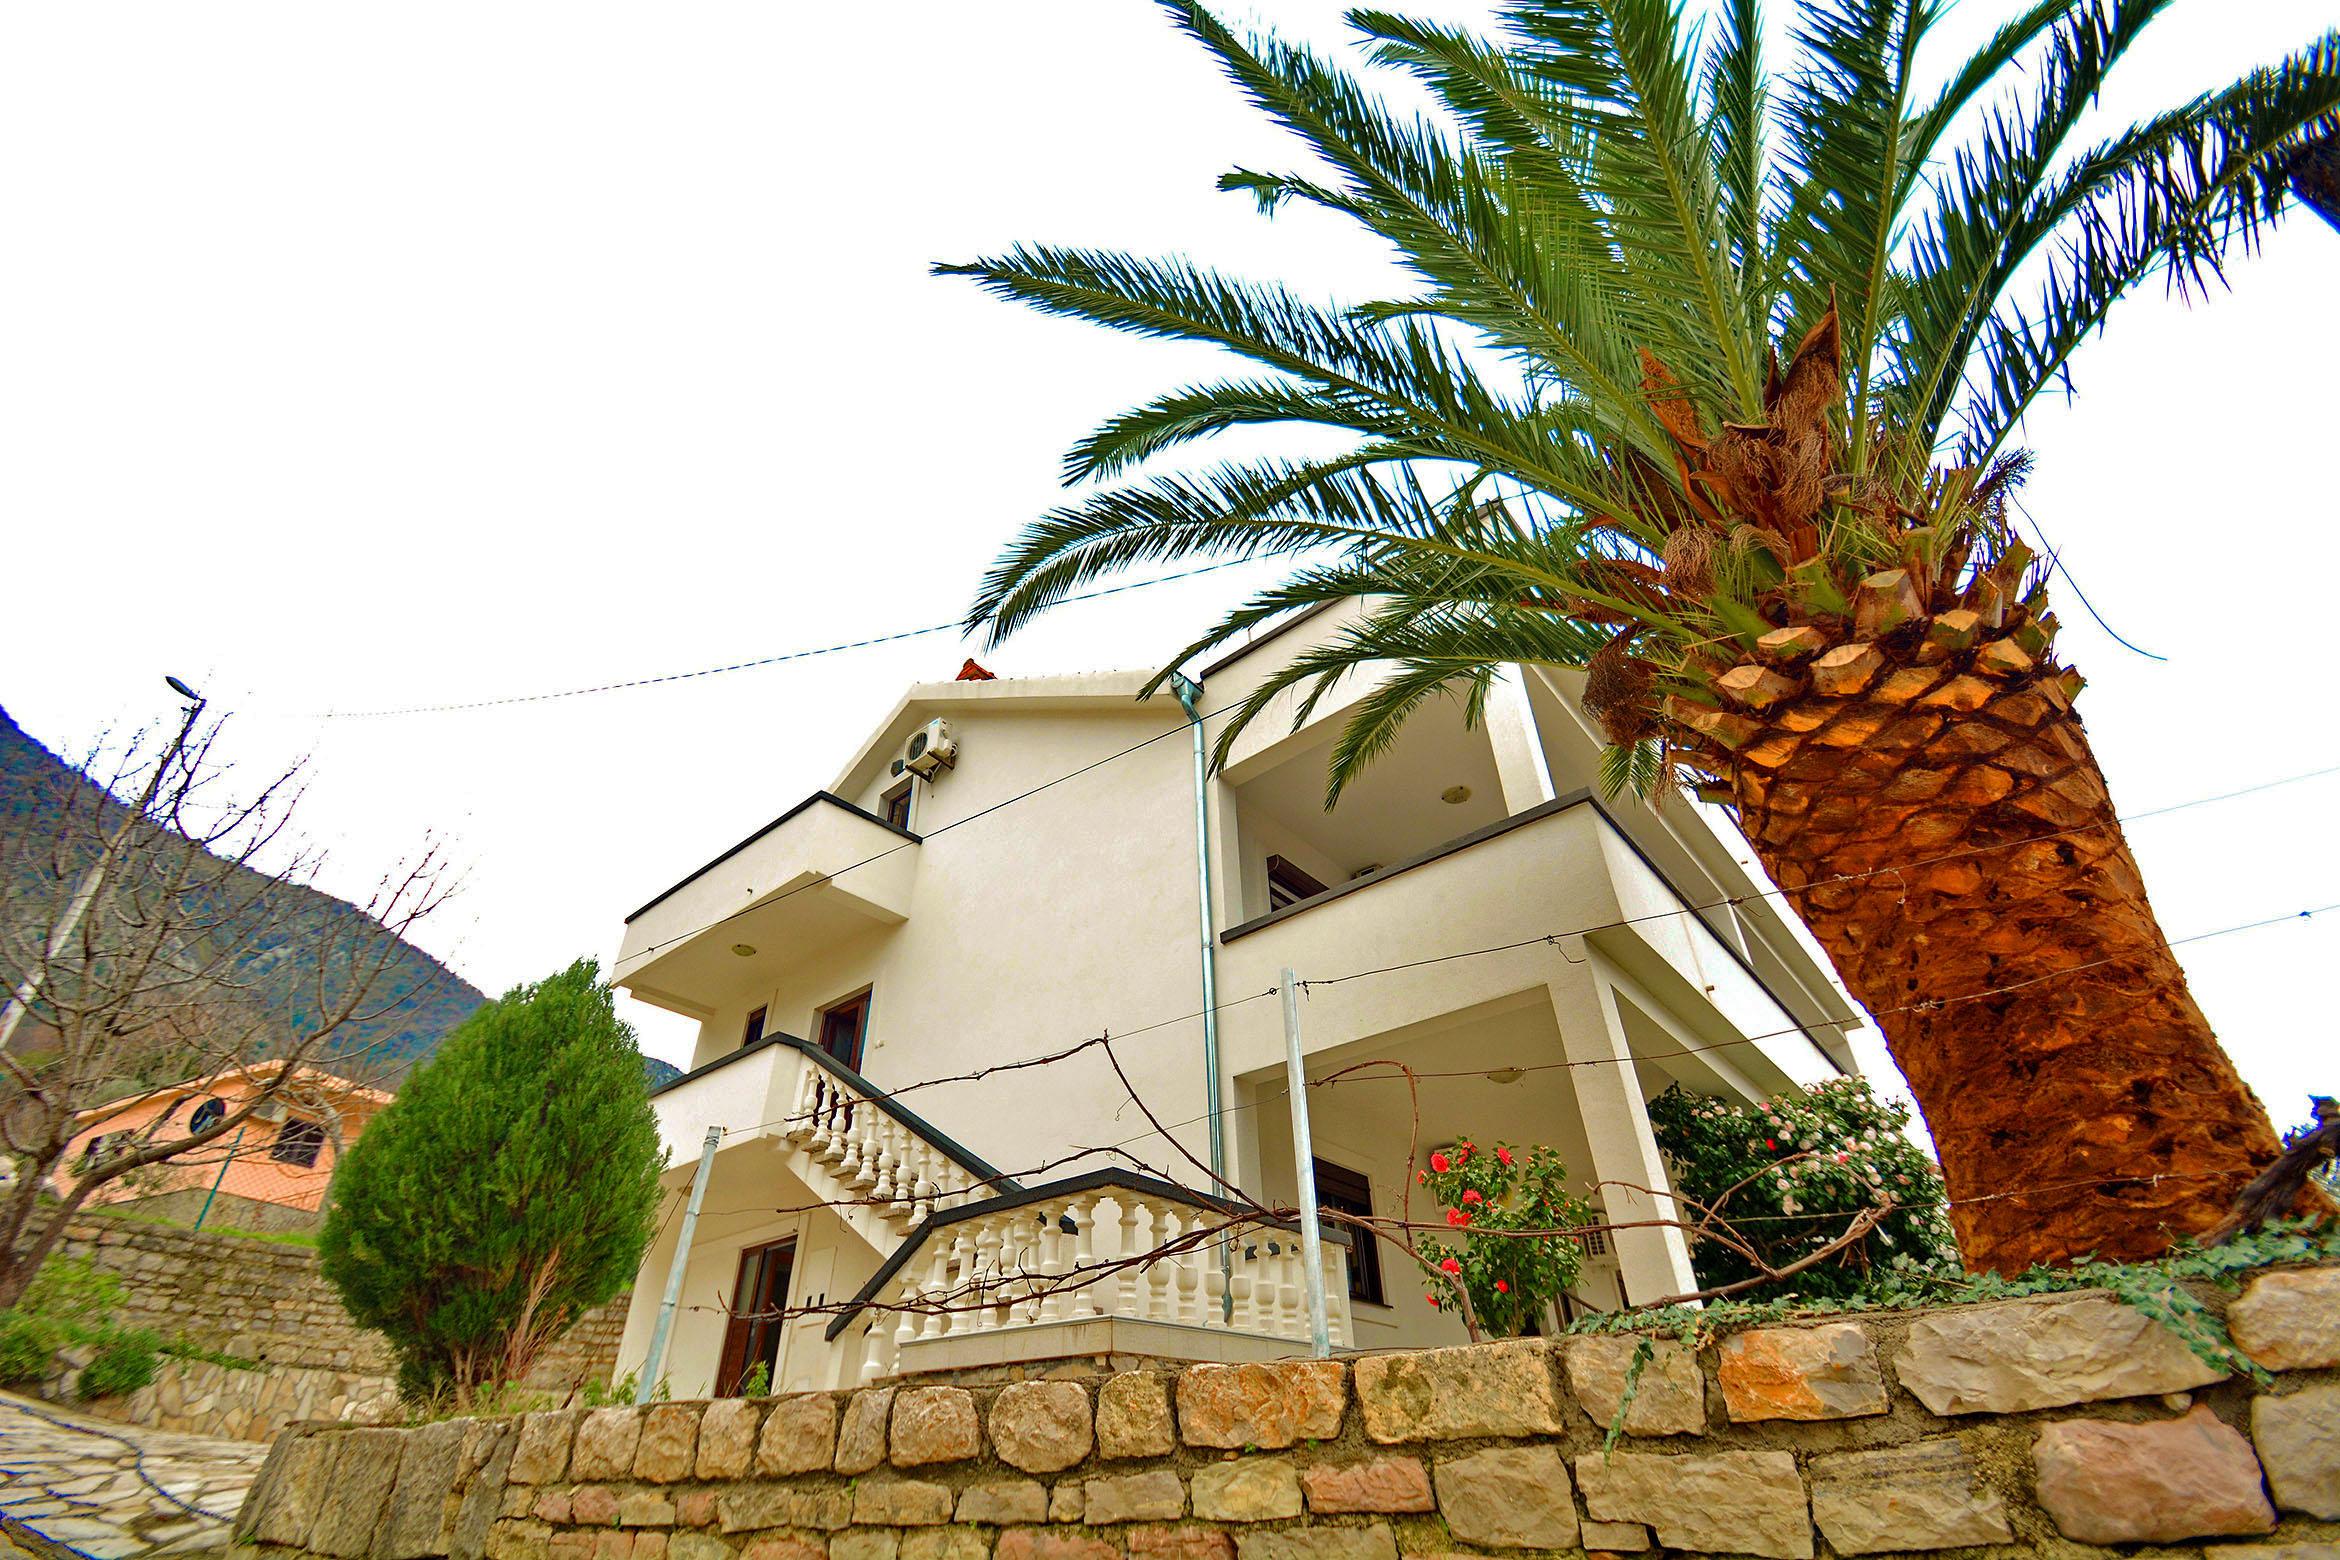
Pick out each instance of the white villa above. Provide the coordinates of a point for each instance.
(1040, 887)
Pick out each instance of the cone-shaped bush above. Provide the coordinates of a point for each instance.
(512, 1186)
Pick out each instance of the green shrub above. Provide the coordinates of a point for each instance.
(1510, 1278)
(125, 1362)
(618, 1393)
(68, 1302)
(28, 1345)
(510, 1187)
(1790, 1174)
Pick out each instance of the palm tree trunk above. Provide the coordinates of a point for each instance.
(1937, 818)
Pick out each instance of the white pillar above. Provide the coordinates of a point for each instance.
(1655, 1261)
(1510, 724)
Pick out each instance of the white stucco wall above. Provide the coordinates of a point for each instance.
(1070, 912)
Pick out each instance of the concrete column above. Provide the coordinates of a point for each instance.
(1510, 724)
(1654, 1262)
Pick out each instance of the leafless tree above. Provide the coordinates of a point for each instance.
(156, 928)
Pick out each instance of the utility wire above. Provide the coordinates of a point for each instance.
(1618, 924)
(2057, 565)
(954, 626)
(1266, 1097)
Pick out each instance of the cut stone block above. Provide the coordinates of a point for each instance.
(1490, 1389)
(2025, 1354)
(2108, 1483)
(1928, 1496)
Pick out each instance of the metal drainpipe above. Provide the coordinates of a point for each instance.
(1189, 692)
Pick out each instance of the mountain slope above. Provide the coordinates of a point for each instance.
(423, 999)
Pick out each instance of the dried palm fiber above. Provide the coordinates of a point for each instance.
(1617, 686)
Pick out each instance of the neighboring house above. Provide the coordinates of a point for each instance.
(268, 1173)
(896, 928)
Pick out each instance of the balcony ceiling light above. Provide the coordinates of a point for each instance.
(744, 950)
(1455, 795)
(1505, 1075)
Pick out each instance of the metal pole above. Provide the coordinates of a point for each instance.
(1304, 1167)
(655, 1363)
(1189, 692)
(205, 1210)
(86, 891)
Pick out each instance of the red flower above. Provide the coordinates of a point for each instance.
(1421, 1178)
(1462, 1151)
(1457, 1217)
(1768, 1143)
(1501, 1287)
(1503, 1155)
(1451, 1268)
(1473, 1197)
(1433, 1299)
(1438, 1162)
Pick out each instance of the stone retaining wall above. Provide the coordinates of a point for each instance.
(200, 1398)
(2054, 1425)
(266, 1301)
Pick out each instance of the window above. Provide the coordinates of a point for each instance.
(755, 1029)
(207, 1115)
(297, 1143)
(844, 1027)
(898, 807)
(1288, 885)
(1346, 1191)
(758, 1296)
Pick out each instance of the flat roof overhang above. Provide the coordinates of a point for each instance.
(821, 872)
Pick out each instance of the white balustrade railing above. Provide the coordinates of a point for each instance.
(1099, 1251)
(869, 1151)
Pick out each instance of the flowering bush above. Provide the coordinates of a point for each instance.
(1510, 1279)
(1809, 1162)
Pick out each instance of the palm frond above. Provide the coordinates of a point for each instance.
(1844, 120)
(2172, 196)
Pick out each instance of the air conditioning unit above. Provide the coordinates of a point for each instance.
(930, 748)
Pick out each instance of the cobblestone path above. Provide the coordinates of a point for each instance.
(76, 1482)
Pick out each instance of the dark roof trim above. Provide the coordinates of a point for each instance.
(1008, 1202)
(830, 797)
(1505, 826)
(964, 1158)
(1249, 645)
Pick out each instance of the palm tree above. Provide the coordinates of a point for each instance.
(1705, 382)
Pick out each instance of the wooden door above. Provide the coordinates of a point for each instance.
(758, 1294)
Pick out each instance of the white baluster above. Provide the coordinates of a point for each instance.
(1336, 1295)
(1135, 1217)
(1292, 1291)
(799, 1124)
(1214, 1284)
(1051, 1307)
(938, 1287)
(881, 1186)
(906, 1322)
(1161, 1303)
(817, 1134)
(1084, 1258)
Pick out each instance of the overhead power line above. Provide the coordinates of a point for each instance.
(896, 637)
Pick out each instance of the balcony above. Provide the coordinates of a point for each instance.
(1062, 1271)
(820, 873)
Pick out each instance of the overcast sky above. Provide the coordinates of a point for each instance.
(363, 357)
